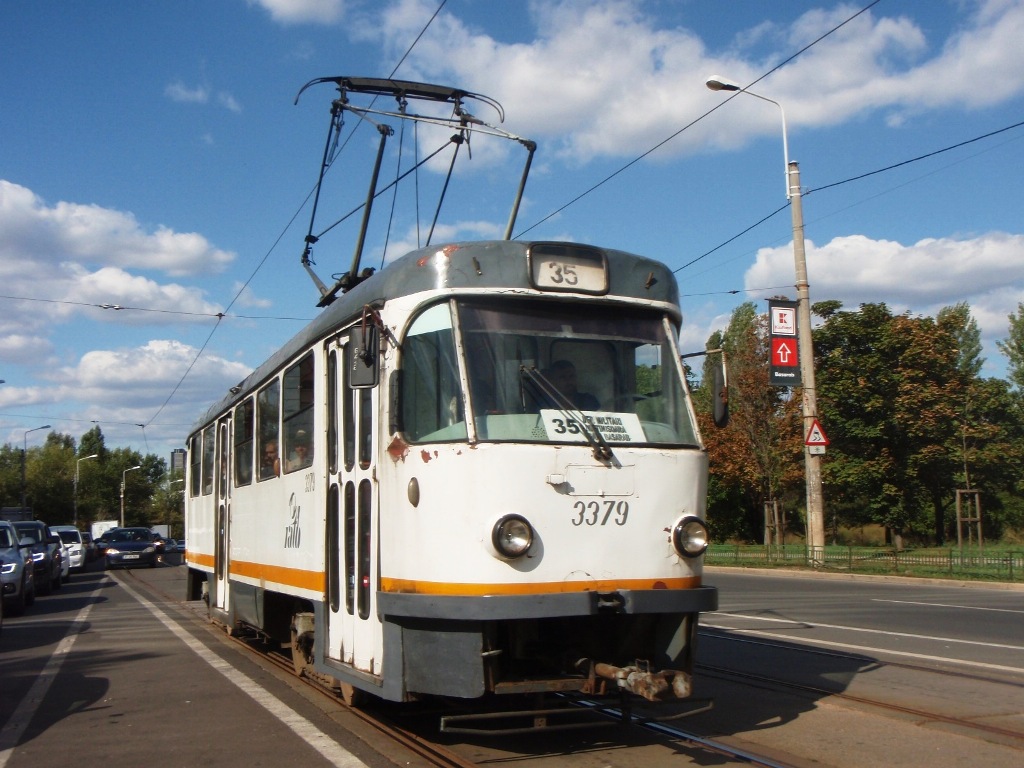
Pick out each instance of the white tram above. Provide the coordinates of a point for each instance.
(444, 515)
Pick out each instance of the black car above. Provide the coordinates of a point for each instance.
(47, 553)
(129, 547)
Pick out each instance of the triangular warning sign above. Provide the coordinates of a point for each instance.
(816, 435)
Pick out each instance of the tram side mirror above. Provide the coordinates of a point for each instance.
(363, 360)
(720, 395)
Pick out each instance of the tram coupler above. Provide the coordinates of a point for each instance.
(639, 679)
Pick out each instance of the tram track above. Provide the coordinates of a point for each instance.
(428, 751)
(1008, 736)
(438, 755)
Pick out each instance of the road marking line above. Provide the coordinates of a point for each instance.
(875, 651)
(948, 605)
(14, 729)
(328, 748)
(863, 629)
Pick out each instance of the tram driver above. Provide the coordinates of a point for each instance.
(562, 374)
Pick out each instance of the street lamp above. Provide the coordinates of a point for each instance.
(123, 475)
(812, 462)
(24, 452)
(78, 463)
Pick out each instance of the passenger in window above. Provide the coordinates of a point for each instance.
(270, 466)
(562, 374)
(301, 455)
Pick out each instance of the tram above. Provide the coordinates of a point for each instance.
(476, 473)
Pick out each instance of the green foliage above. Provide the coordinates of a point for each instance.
(1013, 348)
(756, 457)
(909, 418)
(50, 482)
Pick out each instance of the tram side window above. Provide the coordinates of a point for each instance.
(268, 410)
(432, 403)
(298, 414)
(195, 460)
(244, 425)
(209, 450)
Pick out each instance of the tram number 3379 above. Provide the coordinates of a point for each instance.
(600, 512)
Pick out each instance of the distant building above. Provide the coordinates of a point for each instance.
(177, 460)
(15, 514)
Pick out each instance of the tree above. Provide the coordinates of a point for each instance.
(1013, 348)
(961, 325)
(888, 387)
(756, 457)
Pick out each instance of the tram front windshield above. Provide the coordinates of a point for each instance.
(543, 372)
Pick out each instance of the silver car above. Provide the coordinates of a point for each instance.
(17, 578)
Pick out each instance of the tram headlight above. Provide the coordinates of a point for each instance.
(512, 536)
(690, 537)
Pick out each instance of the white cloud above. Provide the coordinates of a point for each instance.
(601, 79)
(36, 234)
(178, 91)
(229, 102)
(181, 93)
(20, 348)
(303, 11)
(107, 376)
(923, 277)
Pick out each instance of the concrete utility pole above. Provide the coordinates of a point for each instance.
(812, 461)
(809, 403)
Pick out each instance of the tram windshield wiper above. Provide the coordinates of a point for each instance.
(602, 451)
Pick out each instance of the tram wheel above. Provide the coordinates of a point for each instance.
(351, 695)
(298, 655)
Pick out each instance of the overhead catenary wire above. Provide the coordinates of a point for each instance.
(220, 316)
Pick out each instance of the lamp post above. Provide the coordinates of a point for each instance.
(123, 475)
(24, 453)
(812, 462)
(78, 463)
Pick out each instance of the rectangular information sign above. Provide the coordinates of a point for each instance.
(784, 366)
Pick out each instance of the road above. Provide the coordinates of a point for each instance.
(833, 669)
(807, 670)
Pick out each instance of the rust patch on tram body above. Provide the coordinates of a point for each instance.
(398, 450)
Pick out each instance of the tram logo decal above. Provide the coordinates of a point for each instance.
(292, 532)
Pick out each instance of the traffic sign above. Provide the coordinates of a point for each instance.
(784, 353)
(816, 435)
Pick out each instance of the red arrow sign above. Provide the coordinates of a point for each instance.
(816, 435)
(784, 353)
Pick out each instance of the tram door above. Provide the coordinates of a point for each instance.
(222, 501)
(354, 633)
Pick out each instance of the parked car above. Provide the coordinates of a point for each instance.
(102, 542)
(75, 545)
(17, 575)
(90, 547)
(128, 547)
(47, 554)
(65, 558)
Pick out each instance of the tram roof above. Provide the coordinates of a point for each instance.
(456, 267)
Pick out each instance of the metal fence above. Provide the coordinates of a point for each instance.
(995, 565)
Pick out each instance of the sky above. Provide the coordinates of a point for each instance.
(156, 170)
